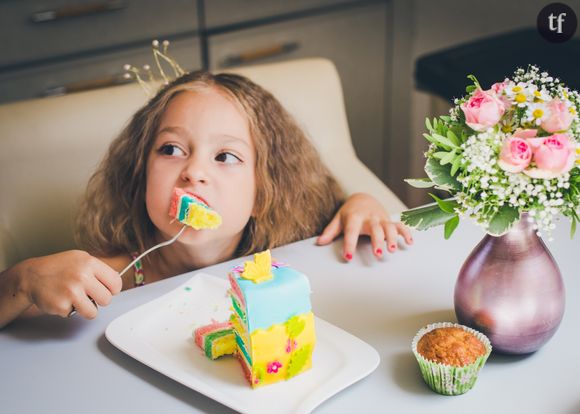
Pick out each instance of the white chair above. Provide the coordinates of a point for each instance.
(50, 146)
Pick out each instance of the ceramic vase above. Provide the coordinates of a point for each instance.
(510, 288)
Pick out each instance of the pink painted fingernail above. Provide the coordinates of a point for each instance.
(393, 246)
(379, 252)
(348, 256)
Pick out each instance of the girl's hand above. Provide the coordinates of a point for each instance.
(362, 214)
(57, 283)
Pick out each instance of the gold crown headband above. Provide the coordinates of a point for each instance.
(160, 57)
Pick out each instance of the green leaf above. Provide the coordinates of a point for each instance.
(453, 138)
(450, 226)
(429, 138)
(455, 165)
(260, 371)
(474, 80)
(444, 141)
(299, 360)
(294, 326)
(420, 182)
(441, 175)
(470, 88)
(573, 228)
(503, 220)
(425, 217)
(440, 154)
(450, 156)
(445, 118)
(447, 206)
(428, 124)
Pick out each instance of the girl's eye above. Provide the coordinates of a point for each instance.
(170, 149)
(227, 158)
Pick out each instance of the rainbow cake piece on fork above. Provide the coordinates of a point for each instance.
(272, 320)
(190, 210)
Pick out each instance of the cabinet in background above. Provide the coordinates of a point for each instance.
(355, 39)
(88, 48)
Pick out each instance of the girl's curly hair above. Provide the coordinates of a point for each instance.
(296, 196)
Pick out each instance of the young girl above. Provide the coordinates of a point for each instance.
(229, 142)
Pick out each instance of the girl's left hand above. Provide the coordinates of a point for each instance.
(362, 214)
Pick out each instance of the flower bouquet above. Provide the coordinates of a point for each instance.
(504, 151)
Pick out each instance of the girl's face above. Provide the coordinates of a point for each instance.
(203, 146)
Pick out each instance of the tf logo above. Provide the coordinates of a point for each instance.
(557, 22)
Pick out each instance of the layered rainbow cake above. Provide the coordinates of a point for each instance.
(216, 339)
(191, 210)
(272, 320)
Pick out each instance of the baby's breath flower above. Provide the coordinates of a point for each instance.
(484, 188)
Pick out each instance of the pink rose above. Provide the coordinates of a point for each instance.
(515, 155)
(525, 133)
(558, 118)
(483, 110)
(498, 87)
(553, 155)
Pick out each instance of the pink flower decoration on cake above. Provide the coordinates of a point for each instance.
(275, 264)
(291, 345)
(273, 367)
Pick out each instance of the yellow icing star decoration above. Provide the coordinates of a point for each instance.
(259, 270)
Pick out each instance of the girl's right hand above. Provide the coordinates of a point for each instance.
(73, 279)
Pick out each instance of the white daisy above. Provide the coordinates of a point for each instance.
(536, 113)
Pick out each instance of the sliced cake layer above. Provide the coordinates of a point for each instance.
(192, 211)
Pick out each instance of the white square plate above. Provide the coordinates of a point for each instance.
(159, 334)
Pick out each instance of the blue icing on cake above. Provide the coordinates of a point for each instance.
(184, 205)
(275, 301)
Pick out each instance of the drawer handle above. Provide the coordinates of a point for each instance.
(76, 10)
(86, 85)
(260, 53)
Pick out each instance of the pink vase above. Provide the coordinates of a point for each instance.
(510, 288)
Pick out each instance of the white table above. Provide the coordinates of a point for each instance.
(51, 365)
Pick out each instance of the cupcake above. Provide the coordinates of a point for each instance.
(450, 356)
